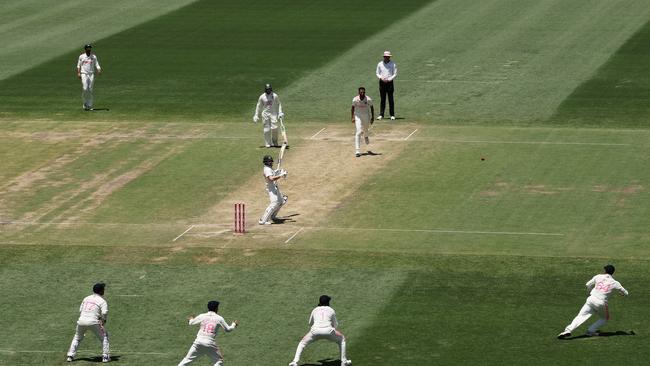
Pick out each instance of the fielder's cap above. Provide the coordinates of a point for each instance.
(99, 287)
(268, 87)
(387, 54)
(213, 305)
(324, 300)
(88, 45)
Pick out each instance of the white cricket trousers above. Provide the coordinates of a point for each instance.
(87, 83)
(591, 306)
(270, 130)
(362, 129)
(277, 201)
(197, 350)
(99, 331)
(329, 334)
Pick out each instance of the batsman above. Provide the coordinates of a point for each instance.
(276, 197)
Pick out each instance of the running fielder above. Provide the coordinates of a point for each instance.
(601, 287)
(323, 326)
(93, 313)
(205, 343)
(269, 106)
(363, 115)
(275, 196)
(86, 66)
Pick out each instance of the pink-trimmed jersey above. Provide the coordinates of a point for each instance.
(323, 317)
(603, 285)
(87, 64)
(362, 107)
(210, 323)
(93, 310)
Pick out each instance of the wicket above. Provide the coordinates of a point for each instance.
(240, 218)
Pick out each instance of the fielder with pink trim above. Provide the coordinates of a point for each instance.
(86, 66)
(323, 326)
(601, 287)
(93, 313)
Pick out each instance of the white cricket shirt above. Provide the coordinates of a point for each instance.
(362, 107)
(386, 70)
(88, 64)
(92, 310)
(269, 105)
(603, 285)
(269, 172)
(323, 317)
(210, 323)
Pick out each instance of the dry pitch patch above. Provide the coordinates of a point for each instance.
(323, 175)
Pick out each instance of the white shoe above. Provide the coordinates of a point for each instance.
(357, 155)
(346, 362)
(293, 364)
(69, 359)
(379, 118)
(564, 335)
(392, 118)
(264, 222)
(106, 358)
(366, 139)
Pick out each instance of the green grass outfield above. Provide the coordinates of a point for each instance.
(520, 170)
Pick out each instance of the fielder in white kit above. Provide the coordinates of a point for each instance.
(86, 66)
(323, 326)
(205, 343)
(601, 287)
(93, 314)
(275, 196)
(270, 108)
(363, 115)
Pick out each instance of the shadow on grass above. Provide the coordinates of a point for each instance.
(604, 334)
(325, 362)
(114, 358)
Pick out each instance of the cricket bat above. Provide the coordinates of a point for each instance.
(283, 130)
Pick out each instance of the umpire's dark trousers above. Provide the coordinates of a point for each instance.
(384, 89)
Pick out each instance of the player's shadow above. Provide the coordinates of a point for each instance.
(370, 153)
(604, 334)
(114, 358)
(283, 219)
(325, 362)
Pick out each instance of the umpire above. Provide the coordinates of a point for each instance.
(386, 73)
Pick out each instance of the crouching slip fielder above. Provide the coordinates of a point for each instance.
(205, 343)
(363, 115)
(93, 313)
(601, 287)
(275, 196)
(268, 104)
(86, 66)
(323, 326)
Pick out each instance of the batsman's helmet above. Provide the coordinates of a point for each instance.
(268, 88)
(267, 159)
(324, 300)
(99, 287)
(88, 46)
(213, 305)
(609, 269)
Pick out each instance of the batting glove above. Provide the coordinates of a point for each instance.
(281, 115)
